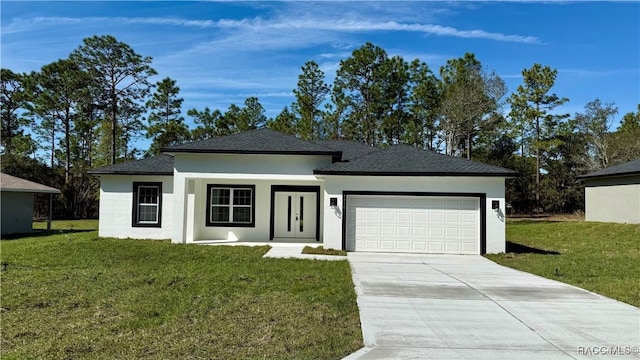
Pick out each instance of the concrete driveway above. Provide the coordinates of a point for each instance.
(467, 307)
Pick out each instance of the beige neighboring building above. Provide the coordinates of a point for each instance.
(613, 194)
(16, 198)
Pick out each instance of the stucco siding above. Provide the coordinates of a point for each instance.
(613, 200)
(17, 212)
(235, 165)
(259, 232)
(116, 207)
(492, 187)
(194, 171)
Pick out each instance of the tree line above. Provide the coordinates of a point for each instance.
(90, 109)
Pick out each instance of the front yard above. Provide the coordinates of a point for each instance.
(600, 257)
(71, 295)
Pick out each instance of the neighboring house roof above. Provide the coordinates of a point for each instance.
(156, 165)
(406, 160)
(16, 184)
(625, 169)
(350, 149)
(259, 141)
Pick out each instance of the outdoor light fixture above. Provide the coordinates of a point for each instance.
(495, 204)
(333, 202)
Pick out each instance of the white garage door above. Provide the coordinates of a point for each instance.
(420, 224)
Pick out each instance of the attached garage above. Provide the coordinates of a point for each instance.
(414, 223)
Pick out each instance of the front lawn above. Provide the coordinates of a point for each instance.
(600, 257)
(72, 295)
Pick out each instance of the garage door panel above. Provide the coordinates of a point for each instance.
(452, 218)
(452, 232)
(420, 231)
(469, 218)
(413, 224)
(436, 217)
(419, 216)
(419, 246)
(403, 215)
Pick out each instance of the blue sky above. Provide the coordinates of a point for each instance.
(222, 53)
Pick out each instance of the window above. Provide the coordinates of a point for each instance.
(230, 205)
(147, 204)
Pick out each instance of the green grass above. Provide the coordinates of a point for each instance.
(73, 295)
(600, 257)
(322, 251)
(67, 225)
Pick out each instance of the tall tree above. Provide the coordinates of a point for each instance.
(359, 85)
(531, 107)
(240, 119)
(122, 75)
(625, 141)
(14, 101)
(166, 125)
(285, 122)
(469, 96)
(594, 125)
(310, 95)
(206, 121)
(396, 92)
(61, 88)
(424, 102)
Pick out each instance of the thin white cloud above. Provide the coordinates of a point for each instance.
(259, 24)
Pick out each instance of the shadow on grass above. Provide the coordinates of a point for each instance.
(41, 233)
(534, 222)
(523, 249)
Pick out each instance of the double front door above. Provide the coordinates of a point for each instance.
(295, 214)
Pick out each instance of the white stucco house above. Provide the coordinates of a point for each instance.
(264, 186)
(613, 194)
(16, 199)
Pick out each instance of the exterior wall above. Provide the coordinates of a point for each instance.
(613, 200)
(194, 171)
(492, 187)
(116, 207)
(17, 212)
(260, 232)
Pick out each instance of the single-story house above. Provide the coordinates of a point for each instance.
(613, 194)
(265, 186)
(16, 196)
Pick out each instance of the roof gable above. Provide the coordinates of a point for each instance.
(624, 169)
(16, 184)
(259, 141)
(406, 160)
(155, 165)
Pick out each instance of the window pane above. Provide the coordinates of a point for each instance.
(148, 195)
(219, 214)
(220, 196)
(242, 214)
(242, 197)
(148, 213)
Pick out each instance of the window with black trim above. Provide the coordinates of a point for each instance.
(147, 204)
(230, 205)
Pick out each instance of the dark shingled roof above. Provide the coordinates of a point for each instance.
(357, 158)
(625, 169)
(156, 165)
(350, 149)
(406, 160)
(259, 141)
